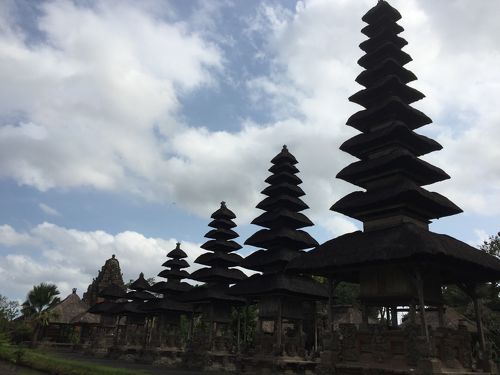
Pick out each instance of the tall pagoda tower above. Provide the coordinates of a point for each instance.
(169, 309)
(280, 296)
(212, 298)
(396, 259)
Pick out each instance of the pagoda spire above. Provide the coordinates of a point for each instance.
(388, 147)
(174, 274)
(282, 237)
(220, 256)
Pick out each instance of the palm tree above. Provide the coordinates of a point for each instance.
(38, 302)
(41, 297)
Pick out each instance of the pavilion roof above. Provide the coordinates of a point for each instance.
(409, 243)
(275, 284)
(140, 284)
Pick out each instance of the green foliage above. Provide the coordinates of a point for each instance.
(8, 311)
(54, 365)
(347, 294)
(40, 298)
(248, 323)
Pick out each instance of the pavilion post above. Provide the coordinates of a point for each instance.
(420, 291)
(394, 316)
(239, 329)
(279, 326)
(441, 315)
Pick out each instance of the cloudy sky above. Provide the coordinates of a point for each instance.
(123, 124)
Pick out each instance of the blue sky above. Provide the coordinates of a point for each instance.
(123, 124)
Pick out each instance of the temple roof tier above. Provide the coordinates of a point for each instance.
(282, 201)
(393, 135)
(222, 245)
(370, 45)
(346, 254)
(398, 162)
(283, 177)
(220, 259)
(403, 198)
(270, 261)
(162, 305)
(175, 263)
(385, 51)
(174, 274)
(112, 292)
(282, 218)
(223, 213)
(221, 233)
(282, 237)
(386, 68)
(210, 294)
(222, 223)
(140, 284)
(275, 284)
(140, 295)
(383, 9)
(382, 25)
(177, 253)
(283, 189)
(388, 86)
(393, 108)
(283, 167)
(218, 275)
(284, 157)
(171, 287)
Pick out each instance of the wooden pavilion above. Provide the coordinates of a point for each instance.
(398, 262)
(212, 298)
(285, 302)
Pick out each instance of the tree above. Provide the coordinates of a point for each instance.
(8, 311)
(40, 298)
(37, 306)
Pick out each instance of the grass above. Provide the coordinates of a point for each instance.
(54, 365)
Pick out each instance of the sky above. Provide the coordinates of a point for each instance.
(124, 124)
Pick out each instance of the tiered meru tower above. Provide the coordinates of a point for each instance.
(396, 259)
(169, 309)
(212, 297)
(280, 296)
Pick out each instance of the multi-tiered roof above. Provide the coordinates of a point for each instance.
(389, 148)
(282, 238)
(174, 274)
(394, 207)
(173, 288)
(220, 257)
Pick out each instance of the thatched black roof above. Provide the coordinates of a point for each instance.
(269, 261)
(220, 245)
(212, 294)
(112, 292)
(171, 287)
(275, 284)
(218, 274)
(177, 253)
(161, 305)
(140, 284)
(174, 273)
(139, 295)
(344, 256)
(390, 169)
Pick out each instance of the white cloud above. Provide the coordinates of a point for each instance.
(10, 237)
(49, 210)
(71, 258)
(99, 101)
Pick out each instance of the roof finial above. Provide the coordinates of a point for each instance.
(141, 275)
(178, 245)
(223, 204)
(285, 148)
(113, 256)
(74, 290)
